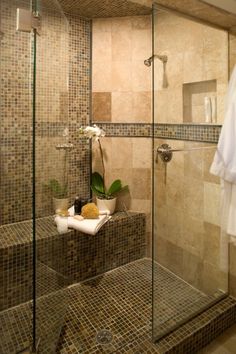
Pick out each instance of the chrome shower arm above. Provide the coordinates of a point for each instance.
(162, 58)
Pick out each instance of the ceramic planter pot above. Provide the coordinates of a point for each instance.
(60, 204)
(106, 205)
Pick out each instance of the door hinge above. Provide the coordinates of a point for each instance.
(26, 21)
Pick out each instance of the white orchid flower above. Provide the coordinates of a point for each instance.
(93, 132)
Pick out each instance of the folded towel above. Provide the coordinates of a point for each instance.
(88, 226)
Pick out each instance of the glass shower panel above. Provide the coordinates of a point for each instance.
(16, 254)
(190, 260)
(52, 151)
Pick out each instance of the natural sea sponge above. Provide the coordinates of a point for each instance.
(90, 211)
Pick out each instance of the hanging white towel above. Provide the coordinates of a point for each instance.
(224, 163)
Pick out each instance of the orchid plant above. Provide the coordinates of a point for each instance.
(98, 181)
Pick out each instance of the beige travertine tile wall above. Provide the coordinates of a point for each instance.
(121, 85)
(129, 160)
(187, 217)
(196, 53)
(121, 81)
(232, 51)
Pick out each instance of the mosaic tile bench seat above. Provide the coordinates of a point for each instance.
(64, 259)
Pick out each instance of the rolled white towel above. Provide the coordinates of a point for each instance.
(88, 226)
(62, 224)
(71, 211)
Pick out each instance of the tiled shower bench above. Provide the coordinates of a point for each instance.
(64, 259)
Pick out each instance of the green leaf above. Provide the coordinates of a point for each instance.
(115, 187)
(97, 183)
(97, 193)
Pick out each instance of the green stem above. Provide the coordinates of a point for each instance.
(102, 157)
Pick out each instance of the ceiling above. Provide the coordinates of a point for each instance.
(104, 8)
(202, 10)
(227, 5)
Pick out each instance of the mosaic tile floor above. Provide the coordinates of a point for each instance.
(118, 301)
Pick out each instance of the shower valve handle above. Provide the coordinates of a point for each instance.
(165, 153)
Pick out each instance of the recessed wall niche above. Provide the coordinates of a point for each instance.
(200, 102)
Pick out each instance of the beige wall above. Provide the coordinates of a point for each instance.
(196, 54)
(187, 217)
(121, 81)
(232, 51)
(129, 160)
(122, 94)
(187, 207)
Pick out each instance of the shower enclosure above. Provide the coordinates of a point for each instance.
(47, 62)
(190, 269)
(34, 120)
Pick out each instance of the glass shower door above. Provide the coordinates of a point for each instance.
(51, 153)
(190, 258)
(190, 255)
(16, 256)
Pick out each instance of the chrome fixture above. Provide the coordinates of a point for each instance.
(165, 152)
(163, 58)
(26, 21)
(162, 148)
(66, 146)
(104, 336)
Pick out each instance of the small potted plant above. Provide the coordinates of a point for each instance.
(59, 195)
(106, 197)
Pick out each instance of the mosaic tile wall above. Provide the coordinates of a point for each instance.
(15, 111)
(64, 259)
(105, 8)
(63, 57)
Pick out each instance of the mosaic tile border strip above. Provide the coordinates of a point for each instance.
(190, 132)
(126, 129)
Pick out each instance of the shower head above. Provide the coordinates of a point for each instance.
(163, 58)
(148, 62)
